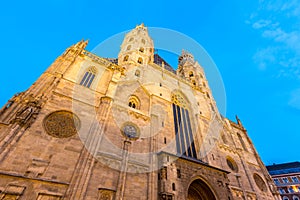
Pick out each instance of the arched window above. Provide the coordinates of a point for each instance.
(126, 58)
(242, 141)
(191, 74)
(88, 77)
(194, 83)
(140, 60)
(142, 49)
(131, 39)
(129, 47)
(295, 197)
(137, 73)
(134, 102)
(224, 138)
(173, 187)
(185, 144)
(232, 164)
(285, 198)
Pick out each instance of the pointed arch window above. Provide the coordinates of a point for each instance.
(242, 142)
(183, 130)
(126, 58)
(140, 60)
(134, 102)
(191, 74)
(88, 77)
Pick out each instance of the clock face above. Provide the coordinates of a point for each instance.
(130, 131)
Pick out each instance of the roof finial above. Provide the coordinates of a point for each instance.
(140, 26)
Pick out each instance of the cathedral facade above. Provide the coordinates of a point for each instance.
(126, 128)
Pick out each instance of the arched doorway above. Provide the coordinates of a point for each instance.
(199, 190)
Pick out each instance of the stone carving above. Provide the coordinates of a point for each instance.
(61, 124)
(177, 99)
(28, 113)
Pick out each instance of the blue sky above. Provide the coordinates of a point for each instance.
(255, 44)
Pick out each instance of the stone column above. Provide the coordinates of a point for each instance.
(123, 171)
(83, 170)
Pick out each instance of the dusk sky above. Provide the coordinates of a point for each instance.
(255, 45)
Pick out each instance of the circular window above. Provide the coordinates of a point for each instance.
(260, 182)
(61, 124)
(130, 131)
(232, 164)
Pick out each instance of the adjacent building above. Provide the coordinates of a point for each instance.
(286, 177)
(131, 127)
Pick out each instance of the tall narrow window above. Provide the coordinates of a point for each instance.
(242, 142)
(126, 58)
(88, 77)
(183, 130)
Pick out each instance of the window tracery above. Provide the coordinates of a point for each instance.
(182, 124)
(88, 77)
(134, 102)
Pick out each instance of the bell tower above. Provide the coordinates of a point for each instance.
(137, 47)
(191, 70)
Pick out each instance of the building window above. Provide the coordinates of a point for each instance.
(129, 47)
(173, 187)
(232, 164)
(178, 173)
(224, 139)
(142, 49)
(285, 198)
(126, 58)
(134, 102)
(191, 74)
(285, 180)
(137, 73)
(295, 197)
(183, 130)
(140, 60)
(260, 182)
(242, 141)
(291, 190)
(295, 179)
(281, 191)
(88, 77)
(276, 181)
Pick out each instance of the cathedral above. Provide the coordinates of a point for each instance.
(130, 128)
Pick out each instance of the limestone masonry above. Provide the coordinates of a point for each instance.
(126, 128)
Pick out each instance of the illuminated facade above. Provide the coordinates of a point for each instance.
(125, 128)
